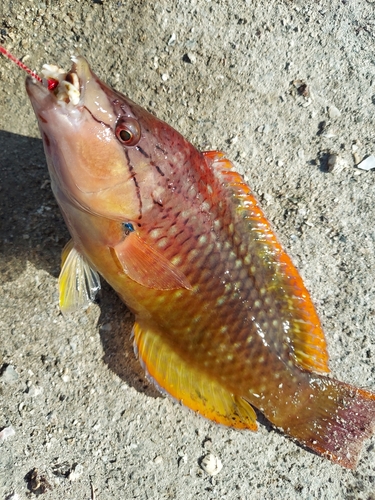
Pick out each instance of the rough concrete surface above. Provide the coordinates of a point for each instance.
(282, 87)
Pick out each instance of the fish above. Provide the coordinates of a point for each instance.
(223, 321)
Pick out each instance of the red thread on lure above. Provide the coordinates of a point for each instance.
(19, 63)
(51, 82)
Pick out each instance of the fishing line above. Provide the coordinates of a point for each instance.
(19, 63)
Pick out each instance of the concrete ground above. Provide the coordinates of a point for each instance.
(281, 86)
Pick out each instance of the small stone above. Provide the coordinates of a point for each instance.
(37, 483)
(52, 417)
(367, 164)
(264, 129)
(356, 158)
(329, 132)
(13, 496)
(158, 460)
(211, 464)
(9, 375)
(268, 198)
(190, 57)
(307, 102)
(332, 162)
(6, 433)
(358, 172)
(182, 460)
(333, 112)
(165, 77)
(34, 390)
(302, 88)
(172, 39)
(68, 21)
(75, 472)
(207, 443)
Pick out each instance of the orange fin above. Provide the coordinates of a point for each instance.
(308, 346)
(189, 385)
(147, 266)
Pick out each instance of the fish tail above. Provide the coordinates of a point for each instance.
(336, 421)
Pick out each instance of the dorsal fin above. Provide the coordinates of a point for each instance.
(189, 385)
(308, 346)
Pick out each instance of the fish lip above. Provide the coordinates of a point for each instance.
(35, 90)
(82, 69)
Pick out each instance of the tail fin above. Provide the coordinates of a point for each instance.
(336, 422)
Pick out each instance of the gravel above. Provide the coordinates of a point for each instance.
(281, 86)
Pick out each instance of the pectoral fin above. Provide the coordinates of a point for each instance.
(147, 266)
(78, 282)
(190, 385)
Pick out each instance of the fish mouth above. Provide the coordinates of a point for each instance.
(70, 93)
(64, 87)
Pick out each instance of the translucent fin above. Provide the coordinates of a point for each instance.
(78, 282)
(147, 266)
(189, 385)
(308, 346)
(335, 422)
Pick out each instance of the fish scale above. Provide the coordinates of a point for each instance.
(223, 320)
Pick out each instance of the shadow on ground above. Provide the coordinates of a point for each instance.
(32, 229)
(116, 324)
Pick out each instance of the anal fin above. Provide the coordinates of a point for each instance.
(78, 282)
(189, 385)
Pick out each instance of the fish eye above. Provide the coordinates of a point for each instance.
(125, 135)
(128, 131)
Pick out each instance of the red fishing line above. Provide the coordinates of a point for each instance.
(51, 82)
(19, 63)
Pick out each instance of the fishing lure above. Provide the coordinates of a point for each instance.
(223, 321)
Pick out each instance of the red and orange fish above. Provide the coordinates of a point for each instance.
(224, 322)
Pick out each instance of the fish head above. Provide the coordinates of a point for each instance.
(106, 154)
